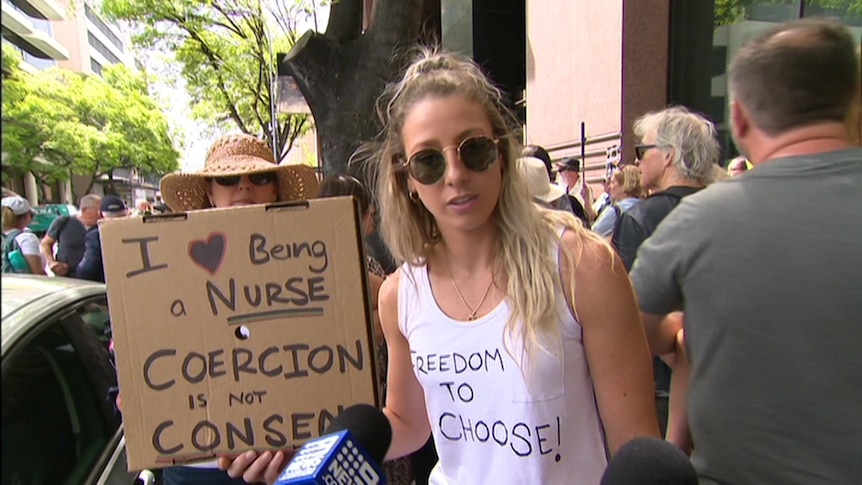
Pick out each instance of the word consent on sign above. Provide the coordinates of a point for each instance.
(237, 329)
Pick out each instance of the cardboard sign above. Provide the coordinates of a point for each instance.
(236, 329)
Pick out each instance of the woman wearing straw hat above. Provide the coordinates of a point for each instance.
(239, 170)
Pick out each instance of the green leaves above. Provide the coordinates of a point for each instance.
(733, 11)
(57, 122)
(227, 52)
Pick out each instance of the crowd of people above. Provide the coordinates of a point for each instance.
(712, 307)
(71, 246)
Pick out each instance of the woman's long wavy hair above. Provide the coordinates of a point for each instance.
(527, 232)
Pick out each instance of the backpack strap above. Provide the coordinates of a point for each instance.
(9, 242)
(9, 245)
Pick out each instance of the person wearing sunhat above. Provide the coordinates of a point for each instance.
(20, 246)
(538, 152)
(541, 189)
(239, 170)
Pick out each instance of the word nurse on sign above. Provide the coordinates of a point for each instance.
(237, 329)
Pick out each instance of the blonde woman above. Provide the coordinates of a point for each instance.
(20, 245)
(513, 332)
(625, 191)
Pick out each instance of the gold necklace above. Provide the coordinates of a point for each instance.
(473, 311)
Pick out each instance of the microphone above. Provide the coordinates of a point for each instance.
(649, 461)
(350, 451)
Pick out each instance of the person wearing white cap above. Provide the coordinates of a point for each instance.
(20, 245)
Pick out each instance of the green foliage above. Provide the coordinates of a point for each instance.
(227, 52)
(729, 11)
(11, 58)
(57, 123)
(733, 11)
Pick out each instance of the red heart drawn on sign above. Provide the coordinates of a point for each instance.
(209, 253)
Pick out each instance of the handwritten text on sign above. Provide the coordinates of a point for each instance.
(241, 302)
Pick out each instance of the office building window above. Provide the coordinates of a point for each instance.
(706, 35)
(95, 66)
(101, 48)
(103, 28)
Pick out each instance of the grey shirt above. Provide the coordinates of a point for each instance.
(768, 268)
(69, 232)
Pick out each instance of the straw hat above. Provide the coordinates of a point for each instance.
(535, 172)
(236, 154)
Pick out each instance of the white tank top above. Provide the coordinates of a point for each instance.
(487, 426)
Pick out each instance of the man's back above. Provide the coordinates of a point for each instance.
(639, 222)
(769, 268)
(91, 267)
(69, 232)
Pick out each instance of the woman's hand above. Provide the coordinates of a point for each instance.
(254, 466)
(678, 431)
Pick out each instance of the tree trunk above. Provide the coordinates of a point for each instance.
(343, 71)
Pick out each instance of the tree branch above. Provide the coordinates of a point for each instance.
(233, 27)
(215, 63)
(289, 131)
(310, 63)
(394, 22)
(345, 21)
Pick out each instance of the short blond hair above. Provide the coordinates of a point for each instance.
(629, 178)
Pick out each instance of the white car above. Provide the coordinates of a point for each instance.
(60, 423)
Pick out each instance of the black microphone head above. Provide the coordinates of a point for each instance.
(368, 426)
(649, 461)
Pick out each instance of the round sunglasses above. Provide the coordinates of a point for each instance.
(255, 178)
(477, 153)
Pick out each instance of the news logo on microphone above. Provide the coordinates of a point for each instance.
(332, 459)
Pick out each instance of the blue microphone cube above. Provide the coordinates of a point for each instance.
(329, 460)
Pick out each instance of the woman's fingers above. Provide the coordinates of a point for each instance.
(273, 470)
(256, 467)
(237, 466)
(255, 471)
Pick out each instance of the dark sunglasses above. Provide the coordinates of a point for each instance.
(477, 153)
(255, 178)
(640, 150)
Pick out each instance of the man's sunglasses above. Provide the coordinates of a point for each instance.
(640, 150)
(255, 178)
(477, 153)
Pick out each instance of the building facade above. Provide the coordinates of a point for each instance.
(27, 26)
(92, 42)
(606, 63)
(47, 35)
